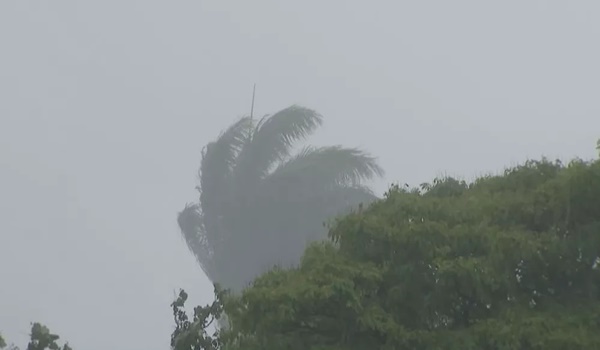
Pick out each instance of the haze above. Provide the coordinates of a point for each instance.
(105, 106)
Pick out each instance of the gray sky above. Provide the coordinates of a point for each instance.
(105, 105)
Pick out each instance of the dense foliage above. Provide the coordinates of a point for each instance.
(506, 262)
(260, 204)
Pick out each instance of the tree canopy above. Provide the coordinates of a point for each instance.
(505, 262)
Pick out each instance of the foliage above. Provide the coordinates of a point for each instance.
(506, 262)
(260, 204)
(193, 334)
(40, 339)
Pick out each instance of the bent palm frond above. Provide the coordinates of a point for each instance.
(190, 223)
(273, 138)
(218, 157)
(327, 166)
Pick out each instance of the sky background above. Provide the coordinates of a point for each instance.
(105, 106)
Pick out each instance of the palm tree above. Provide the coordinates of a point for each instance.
(260, 204)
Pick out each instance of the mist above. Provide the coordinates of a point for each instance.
(105, 108)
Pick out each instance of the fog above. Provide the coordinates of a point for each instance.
(105, 106)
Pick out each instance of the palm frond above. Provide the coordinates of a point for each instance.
(273, 138)
(192, 231)
(219, 156)
(327, 166)
(218, 159)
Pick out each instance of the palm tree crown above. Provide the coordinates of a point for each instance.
(260, 204)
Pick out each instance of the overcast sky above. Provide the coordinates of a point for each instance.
(105, 105)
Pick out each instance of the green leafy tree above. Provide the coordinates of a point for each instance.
(40, 339)
(506, 262)
(192, 334)
(260, 204)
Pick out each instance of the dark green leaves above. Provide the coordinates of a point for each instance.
(194, 334)
(508, 262)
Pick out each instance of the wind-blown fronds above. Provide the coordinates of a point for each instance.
(328, 166)
(219, 156)
(218, 160)
(190, 223)
(259, 204)
(273, 138)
